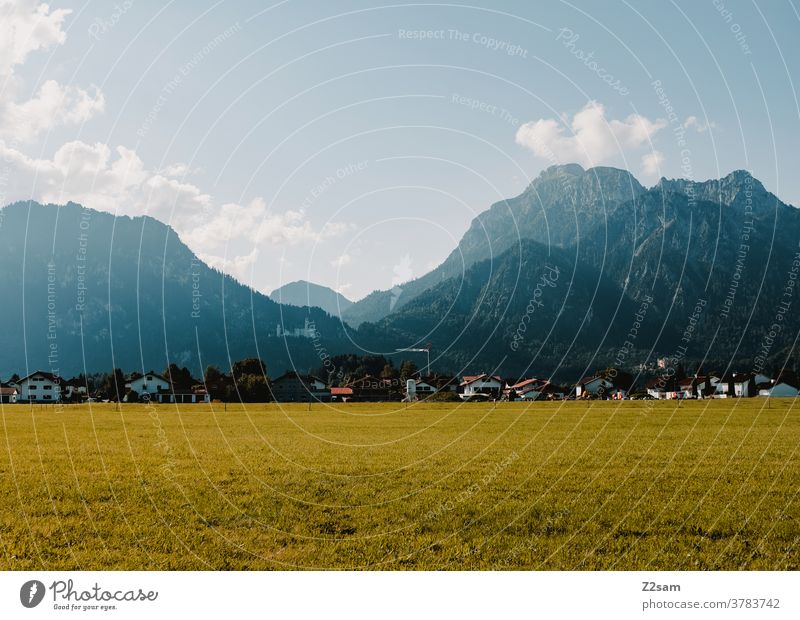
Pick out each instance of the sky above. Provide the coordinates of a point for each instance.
(351, 143)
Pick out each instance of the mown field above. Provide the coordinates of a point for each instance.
(603, 485)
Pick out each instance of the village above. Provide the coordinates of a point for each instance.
(248, 383)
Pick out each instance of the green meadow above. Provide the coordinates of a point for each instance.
(572, 486)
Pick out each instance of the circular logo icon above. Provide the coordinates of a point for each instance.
(31, 593)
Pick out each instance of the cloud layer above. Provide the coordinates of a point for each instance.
(591, 139)
(115, 179)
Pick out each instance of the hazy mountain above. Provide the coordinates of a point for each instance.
(87, 290)
(302, 293)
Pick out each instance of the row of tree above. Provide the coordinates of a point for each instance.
(248, 380)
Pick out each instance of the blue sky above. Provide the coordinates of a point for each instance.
(352, 142)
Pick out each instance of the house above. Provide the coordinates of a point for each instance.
(177, 395)
(74, 389)
(427, 386)
(292, 387)
(152, 386)
(374, 389)
(39, 387)
(663, 388)
(744, 384)
(593, 385)
(442, 383)
(484, 386)
(150, 383)
(708, 386)
(417, 389)
(739, 385)
(341, 394)
(699, 386)
(527, 389)
(423, 388)
(8, 394)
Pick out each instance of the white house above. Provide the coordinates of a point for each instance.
(424, 388)
(591, 386)
(481, 386)
(183, 396)
(150, 383)
(712, 381)
(8, 394)
(743, 385)
(74, 388)
(532, 389)
(39, 387)
(737, 384)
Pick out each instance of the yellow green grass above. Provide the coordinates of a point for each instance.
(603, 485)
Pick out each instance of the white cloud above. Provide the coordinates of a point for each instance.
(119, 182)
(692, 122)
(344, 289)
(53, 105)
(78, 171)
(256, 223)
(594, 138)
(402, 271)
(341, 261)
(27, 26)
(241, 267)
(230, 237)
(651, 163)
(176, 170)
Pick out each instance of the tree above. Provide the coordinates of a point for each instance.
(388, 372)
(132, 396)
(251, 380)
(407, 370)
(113, 385)
(213, 375)
(249, 366)
(179, 376)
(254, 389)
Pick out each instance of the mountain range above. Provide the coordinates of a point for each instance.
(585, 268)
(87, 291)
(709, 261)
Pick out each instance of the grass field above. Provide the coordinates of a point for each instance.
(601, 485)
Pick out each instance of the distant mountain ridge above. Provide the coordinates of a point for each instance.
(559, 205)
(563, 205)
(85, 290)
(126, 292)
(307, 294)
(727, 246)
